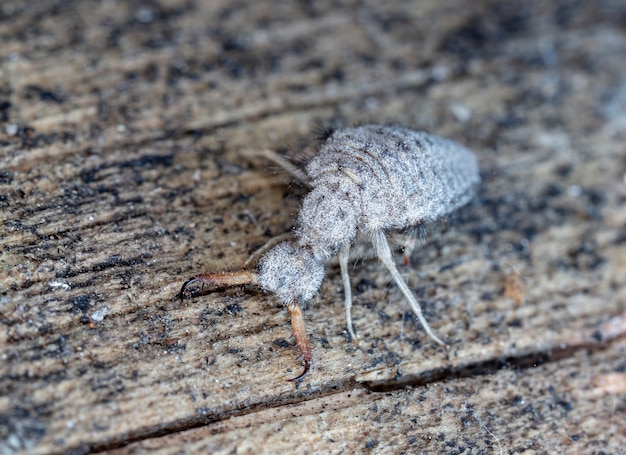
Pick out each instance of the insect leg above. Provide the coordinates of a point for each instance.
(274, 157)
(408, 242)
(271, 243)
(344, 254)
(302, 341)
(384, 254)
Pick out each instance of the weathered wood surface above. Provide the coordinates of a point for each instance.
(122, 175)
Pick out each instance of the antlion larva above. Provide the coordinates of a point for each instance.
(364, 181)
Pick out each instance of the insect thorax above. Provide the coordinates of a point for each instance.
(329, 215)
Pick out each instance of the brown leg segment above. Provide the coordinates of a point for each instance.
(302, 342)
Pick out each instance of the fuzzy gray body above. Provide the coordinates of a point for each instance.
(364, 181)
(372, 178)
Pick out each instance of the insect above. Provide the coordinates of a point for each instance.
(365, 181)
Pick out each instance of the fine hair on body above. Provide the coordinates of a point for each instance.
(365, 181)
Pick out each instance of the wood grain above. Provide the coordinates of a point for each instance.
(123, 171)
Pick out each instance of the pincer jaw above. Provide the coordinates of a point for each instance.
(302, 341)
(219, 280)
(229, 279)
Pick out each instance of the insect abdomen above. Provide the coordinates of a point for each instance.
(405, 177)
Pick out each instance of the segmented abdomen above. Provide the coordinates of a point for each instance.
(405, 177)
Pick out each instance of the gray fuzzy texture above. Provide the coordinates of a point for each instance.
(291, 272)
(366, 180)
(373, 177)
